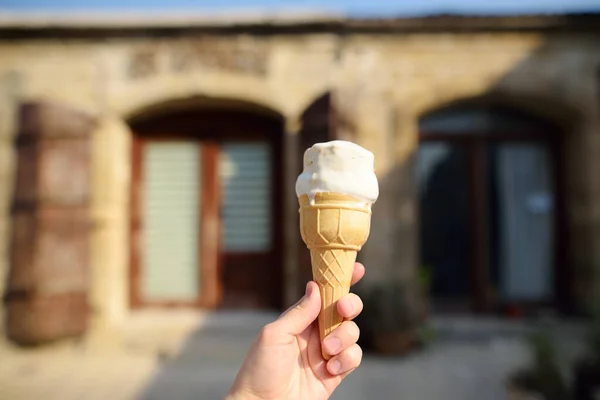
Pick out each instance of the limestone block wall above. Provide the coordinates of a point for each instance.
(110, 210)
(381, 85)
(9, 94)
(554, 76)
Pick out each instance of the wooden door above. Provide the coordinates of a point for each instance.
(174, 234)
(249, 274)
(207, 211)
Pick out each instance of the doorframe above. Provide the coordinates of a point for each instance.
(209, 127)
(475, 144)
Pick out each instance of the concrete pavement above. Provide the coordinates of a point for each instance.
(196, 356)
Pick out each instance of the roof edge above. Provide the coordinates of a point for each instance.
(76, 23)
(119, 20)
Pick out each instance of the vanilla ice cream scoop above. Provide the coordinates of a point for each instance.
(339, 167)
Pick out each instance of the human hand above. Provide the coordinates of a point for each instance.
(285, 360)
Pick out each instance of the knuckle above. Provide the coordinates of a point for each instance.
(352, 301)
(299, 306)
(359, 305)
(356, 355)
(268, 333)
(351, 358)
(353, 330)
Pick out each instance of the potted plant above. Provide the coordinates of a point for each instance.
(586, 379)
(542, 379)
(425, 282)
(389, 325)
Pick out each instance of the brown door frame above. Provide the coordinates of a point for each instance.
(209, 128)
(475, 143)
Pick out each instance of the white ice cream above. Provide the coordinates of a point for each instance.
(339, 167)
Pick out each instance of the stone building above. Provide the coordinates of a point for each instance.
(486, 132)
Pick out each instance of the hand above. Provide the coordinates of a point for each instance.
(285, 361)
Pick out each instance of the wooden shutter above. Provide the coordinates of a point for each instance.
(48, 281)
(247, 191)
(171, 221)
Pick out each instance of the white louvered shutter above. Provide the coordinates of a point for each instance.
(171, 221)
(245, 170)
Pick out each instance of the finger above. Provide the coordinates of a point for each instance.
(295, 320)
(309, 287)
(358, 273)
(350, 306)
(345, 362)
(315, 357)
(341, 338)
(296, 304)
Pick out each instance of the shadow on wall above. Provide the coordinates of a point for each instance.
(552, 83)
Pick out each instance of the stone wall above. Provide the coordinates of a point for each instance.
(9, 92)
(382, 84)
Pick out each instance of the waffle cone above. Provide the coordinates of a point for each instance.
(334, 227)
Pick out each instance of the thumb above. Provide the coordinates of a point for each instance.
(299, 317)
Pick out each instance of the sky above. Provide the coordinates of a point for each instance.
(347, 7)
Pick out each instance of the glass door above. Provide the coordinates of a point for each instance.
(525, 197)
(171, 221)
(488, 194)
(174, 237)
(443, 177)
(247, 224)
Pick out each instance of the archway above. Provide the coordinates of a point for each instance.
(317, 127)
(491, 207)
(206, 216)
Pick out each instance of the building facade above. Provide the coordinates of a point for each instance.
(486, 134)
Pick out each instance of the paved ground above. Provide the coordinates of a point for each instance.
(191, 357)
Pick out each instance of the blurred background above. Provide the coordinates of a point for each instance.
(149, 223)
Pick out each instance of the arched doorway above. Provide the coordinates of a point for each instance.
(206, 217)
(317, 127)
(491, 208)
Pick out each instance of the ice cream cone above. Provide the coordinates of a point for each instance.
(334, 227)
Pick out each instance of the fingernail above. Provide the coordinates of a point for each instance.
(332, 345)
(309, 289)
(334, 367)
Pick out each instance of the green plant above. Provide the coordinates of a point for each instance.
(425, 278)
(543, 376)
(387, 308)
(593, 335)
(390, 320)
(427, 334)
(586, 370)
